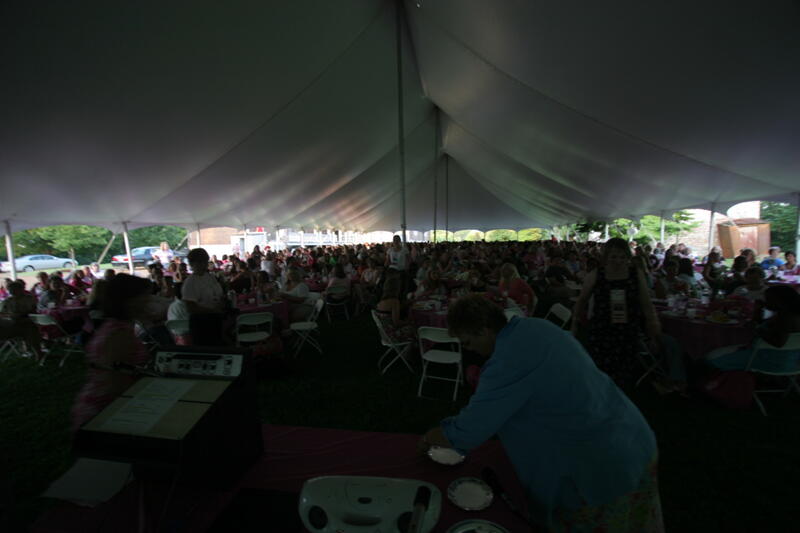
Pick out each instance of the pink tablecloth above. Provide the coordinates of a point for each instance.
(293, 455)
(699, 336)
(280, 310)
(436, 319)
(64, 314)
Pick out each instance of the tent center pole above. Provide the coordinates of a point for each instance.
(105, 250)
(401, 145)
(12, 262)
(711, 228)
(127, 247)
(199, 243)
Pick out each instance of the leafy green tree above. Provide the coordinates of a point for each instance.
(468, 235)
(442, 235)
(496, 235)
(85, 243)
(530, 234)
(783, 223)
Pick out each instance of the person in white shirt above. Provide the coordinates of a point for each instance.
(165, 255)
(268, 265)
(296, 294)
(177, 309)
(397, 256)
(205, 301)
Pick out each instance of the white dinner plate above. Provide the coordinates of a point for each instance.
(470, 494)
(477, 526)
(729, 322)
(445, 456)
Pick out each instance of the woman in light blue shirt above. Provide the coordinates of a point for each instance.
(581, 449)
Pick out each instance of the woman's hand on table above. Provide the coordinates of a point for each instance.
(433, 437)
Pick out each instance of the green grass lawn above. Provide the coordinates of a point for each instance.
(720, 470)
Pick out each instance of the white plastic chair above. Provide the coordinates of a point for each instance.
(439, 336)
(337, 298)
(559, 315)
(790, 373)
(511, 312)
(307, 328)
(64, 339)
(247, 321)
(399, 349)
(177, 328)
(11, 347)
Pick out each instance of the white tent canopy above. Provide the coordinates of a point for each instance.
(285, 114)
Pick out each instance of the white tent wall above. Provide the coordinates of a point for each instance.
(286, 114)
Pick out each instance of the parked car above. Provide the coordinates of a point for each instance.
(37, 262)
(142, 256)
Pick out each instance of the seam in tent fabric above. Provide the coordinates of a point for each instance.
(291, 221)
(611, 127)
(283, 107)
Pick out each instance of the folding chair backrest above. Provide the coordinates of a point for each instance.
(249, 320)
(177, 327)
(514, 311)
(792, 360)
(384, 337)
(318, 305)
(338, 290)
(560, 312)
(43, 320)
(436, 336)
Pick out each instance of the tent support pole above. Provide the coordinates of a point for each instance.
(605, 232)
(12, 262)
(711, 228)
(302, 238)
(127, 247)
(401, 143)
(185, 238)
(447, 197)
(663, 224)
(797, 226)
(199, 243)
(436, 141)
(105, 250)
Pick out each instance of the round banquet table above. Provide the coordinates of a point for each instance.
(64, 314)
(429, 317)
(699, 336)
(280, 310)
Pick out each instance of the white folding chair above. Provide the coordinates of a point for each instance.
(177, 328)
(307, 328)
(245, 324)
(439, 336)
(337, 298)
(399, 349)
(511, 312)
(559, 315)
(791, 372)
(10, 347)
(651, 364)
(63, 340)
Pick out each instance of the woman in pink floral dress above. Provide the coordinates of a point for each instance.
(115, 342)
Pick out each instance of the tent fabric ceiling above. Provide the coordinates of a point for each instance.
(285, 114)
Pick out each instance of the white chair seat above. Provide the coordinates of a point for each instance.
(303, 326)
(254, 336)
(442, 356)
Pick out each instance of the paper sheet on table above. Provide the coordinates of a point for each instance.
(90, 482)
(142, 412)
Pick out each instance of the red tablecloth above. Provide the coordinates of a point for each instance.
(280, 310)
(293, 455)
(436, 319)
(66, 313)
(699, 336)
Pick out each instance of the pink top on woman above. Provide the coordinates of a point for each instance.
(518, 290)
(103, 386)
